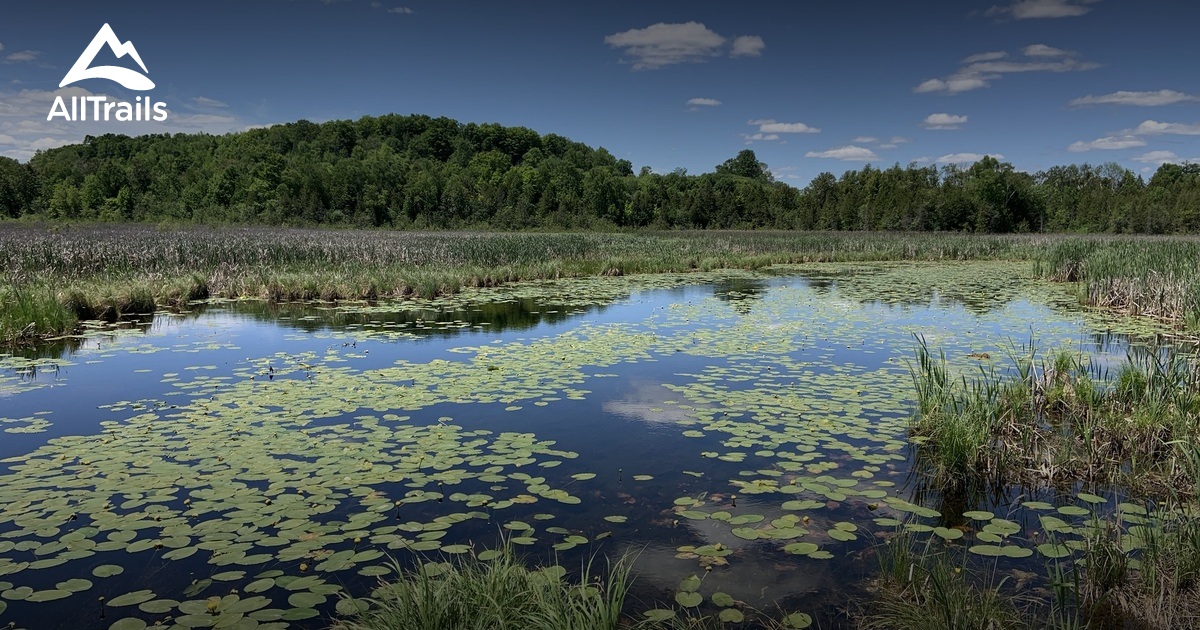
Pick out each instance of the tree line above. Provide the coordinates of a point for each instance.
(420, 172)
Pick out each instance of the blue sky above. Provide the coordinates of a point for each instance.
(810, 86)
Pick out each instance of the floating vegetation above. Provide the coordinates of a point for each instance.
(281, 473)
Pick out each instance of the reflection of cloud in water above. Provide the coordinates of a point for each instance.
(758, 573)
(645, 401)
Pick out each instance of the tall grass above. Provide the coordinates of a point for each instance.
(1153, 277)
(920, 589)
(495, 594)
(105, 271)
(1059, 419)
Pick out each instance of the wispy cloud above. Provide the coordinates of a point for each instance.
(703, 102)
(966, 158)
(1153, 127)
(1107, 143)
(401, 10)
(748, 46)
(204, 101)
(760, 137)
(1042, 50)
(663, 44)
(985, 56)
(23, 56)
(978, 71)
(1143, 99)
(850, 153)
(1041, 9)
(865, 140)
(943, 121)
(1163, 157)
(768, 125)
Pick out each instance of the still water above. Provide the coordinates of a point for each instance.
(245, 465)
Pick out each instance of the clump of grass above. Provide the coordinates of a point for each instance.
(1058, 420)
(924, 590)
(494, 594)
(27, 313)
(1158, 278)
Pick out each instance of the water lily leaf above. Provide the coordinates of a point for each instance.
(158, 606)
(688, 599)
(107, 570)
(659, 615)
(306, 600)
(74, 585)
(978, 515)
(689, 584)
(731, 615)
(746, 533)
(348, 607)
(948, 533)
(259, 586)
(48, 595)
(131, 599)
(797, 620)
(128, 623)
(722, 599)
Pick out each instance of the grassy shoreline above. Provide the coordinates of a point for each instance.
(57, 275)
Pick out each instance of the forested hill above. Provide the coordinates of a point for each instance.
(417, 171)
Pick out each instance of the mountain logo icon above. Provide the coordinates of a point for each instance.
(82, 69)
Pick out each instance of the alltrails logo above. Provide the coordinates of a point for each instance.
(101, 108)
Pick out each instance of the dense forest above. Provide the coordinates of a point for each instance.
(422, 172)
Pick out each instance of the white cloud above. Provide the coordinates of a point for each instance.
(1041, 9)
(849, 154)
(748, 46)
(706, 102)
(1, 46)
(760, 136)
(899, 140)
(23, 56)
(660, 45)
(768, 125)
(1144, 99)
(943, 121)
(1107, 143)
(401, 10)
(204, 101)
(889, 145)
(1179, 129)
(953, 84)
(24, 129)
(986, 56)
(1163, 157)
(978, 71)
(1042, 50)
(865, 139)
(966, 158)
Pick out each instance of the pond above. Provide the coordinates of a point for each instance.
(248, 465)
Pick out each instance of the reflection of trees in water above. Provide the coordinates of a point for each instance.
(508, 315)
(918, 288)
(740, 292)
